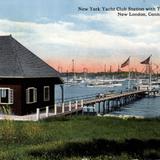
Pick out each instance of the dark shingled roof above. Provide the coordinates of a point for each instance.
(16, 61)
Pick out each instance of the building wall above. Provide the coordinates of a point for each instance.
(20, 85)
(39, 85)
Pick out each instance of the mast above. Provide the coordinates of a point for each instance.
(85, 70)
(104, 75)
(105, 70)
(67, 75)
(118, 69)
(73, 70)
(110, 70)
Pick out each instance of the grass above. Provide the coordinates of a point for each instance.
(77, 138)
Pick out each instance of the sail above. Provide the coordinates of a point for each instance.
(126, 63)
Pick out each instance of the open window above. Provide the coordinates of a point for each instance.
(31, 95)
(46, 93)
(6, 96)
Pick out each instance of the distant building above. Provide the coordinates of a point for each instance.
(26, 81)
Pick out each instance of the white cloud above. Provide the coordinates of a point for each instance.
(135, 24)
(140, 35)
(63, 39)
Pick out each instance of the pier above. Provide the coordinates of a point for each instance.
(98, 104)
(112, 102)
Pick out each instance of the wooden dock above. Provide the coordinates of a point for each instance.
(109, 102)
(104, 102)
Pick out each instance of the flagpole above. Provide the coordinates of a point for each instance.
(127, 63)
(148, 66)
(150, 75)
(129, 77)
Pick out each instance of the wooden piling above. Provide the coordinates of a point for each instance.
(99, 107)
(108, 106)
(70, 106)
(76, 105)
(82, 103)
(103, 107)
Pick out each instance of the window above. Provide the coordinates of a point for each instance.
(31, 95)
(6, 96)
(46, 92)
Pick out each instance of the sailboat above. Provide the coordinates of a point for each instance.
(74, 80)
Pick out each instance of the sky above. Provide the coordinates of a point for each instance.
(58, 32)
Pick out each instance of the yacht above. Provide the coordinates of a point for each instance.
(104, 83)
(144, 84)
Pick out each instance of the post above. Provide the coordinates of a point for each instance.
(82, 111)
(104, 107)
(63, 108)
(76, 105)
(38, 114)
(70, 106)
(108, 105)
(47, 111)
(62, 92)
(120, 102)
(82, 103)
(129, 78)
(55, 109)
(150, 77)
(88, 110)
(99, 107)
(94, 107)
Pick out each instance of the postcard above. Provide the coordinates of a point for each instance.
(79, 79)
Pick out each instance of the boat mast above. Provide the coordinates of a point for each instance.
(104, 75)
(67, 76)
(73, 70)
(85, 70)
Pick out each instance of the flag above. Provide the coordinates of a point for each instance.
(146, 61)
(126, 63)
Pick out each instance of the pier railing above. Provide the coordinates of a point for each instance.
(72, 106)
(59, 100)
(60, 109)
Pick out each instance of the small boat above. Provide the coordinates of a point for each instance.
(104, 83)
(144, 84)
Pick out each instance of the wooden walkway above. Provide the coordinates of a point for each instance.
(106, 103)
(113, 96)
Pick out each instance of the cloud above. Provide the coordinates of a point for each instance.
(62, 40)
(137, 34)
(136, 25)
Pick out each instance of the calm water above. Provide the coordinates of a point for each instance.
(147, 107)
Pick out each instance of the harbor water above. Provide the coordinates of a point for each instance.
(147, 107)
